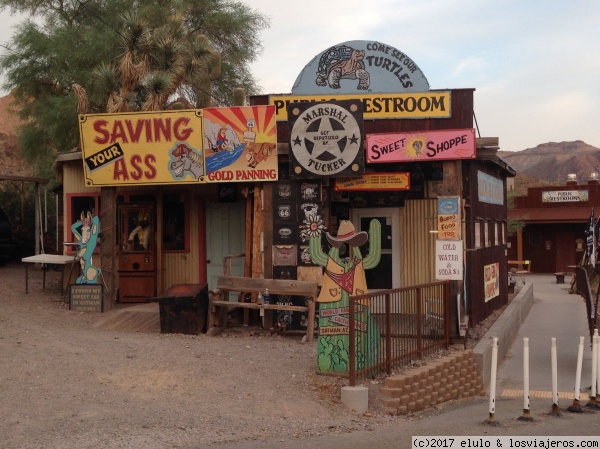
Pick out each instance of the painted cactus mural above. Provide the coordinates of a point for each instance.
(343, 278)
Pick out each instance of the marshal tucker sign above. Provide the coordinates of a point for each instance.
(417, 105)
(326, 140)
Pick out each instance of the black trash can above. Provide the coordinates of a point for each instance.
(184, 309)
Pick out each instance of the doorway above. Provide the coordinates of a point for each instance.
(137, 252)
(387, 274)
(225, 235)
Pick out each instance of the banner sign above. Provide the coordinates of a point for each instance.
(491, 283)
(340, 311)
(240, 144)
(449, 260)
(345, 321)
(326, 140)
(449, 225)
(377, 106)
(421, 146)
(565, 196)
(491, 190)
(134, 148)
(375, 181)
(333, 330)
(358, 66)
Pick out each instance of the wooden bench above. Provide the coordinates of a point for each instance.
(521, 264)
(219, 303)
(519, 272)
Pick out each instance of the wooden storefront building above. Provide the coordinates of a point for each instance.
(555, 220)
(193, 226)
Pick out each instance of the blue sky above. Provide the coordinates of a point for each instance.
(535, 64)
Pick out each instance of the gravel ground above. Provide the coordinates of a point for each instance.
(65, 384)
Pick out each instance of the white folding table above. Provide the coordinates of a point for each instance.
(46, 259)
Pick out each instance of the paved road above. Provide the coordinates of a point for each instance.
(555, 314)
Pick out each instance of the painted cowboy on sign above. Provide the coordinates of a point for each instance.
(343, 278)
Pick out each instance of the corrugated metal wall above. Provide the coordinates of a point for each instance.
(73, 179)
(417, 244)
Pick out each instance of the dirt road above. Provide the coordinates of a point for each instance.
(65, 384)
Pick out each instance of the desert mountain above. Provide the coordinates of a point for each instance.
(551, 162)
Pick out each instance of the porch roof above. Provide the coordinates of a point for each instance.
(551, 215)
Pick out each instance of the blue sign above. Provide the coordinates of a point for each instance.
(448, 206)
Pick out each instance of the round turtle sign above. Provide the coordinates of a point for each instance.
(360, 67)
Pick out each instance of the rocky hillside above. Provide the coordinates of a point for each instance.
(552, 162)
(522, 182)
(11, 162)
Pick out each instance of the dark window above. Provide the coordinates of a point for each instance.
(80, 206)
(174, 223)
(535, 238)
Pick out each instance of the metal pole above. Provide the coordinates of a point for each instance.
(576, 407)
(555, 408)
(388, 334)
(57, 221)
(526, 413)
(352, 344)
(597, 368)
(493, 373)
(593, 402)
(45, 209)
(594, 367)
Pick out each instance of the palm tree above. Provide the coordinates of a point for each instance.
(156, 65)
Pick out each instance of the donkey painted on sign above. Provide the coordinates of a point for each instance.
(87, 238)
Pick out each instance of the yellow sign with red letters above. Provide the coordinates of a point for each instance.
(162, 147)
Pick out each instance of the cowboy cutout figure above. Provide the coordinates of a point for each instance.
(341, 280)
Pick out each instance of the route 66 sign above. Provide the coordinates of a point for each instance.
(284, 211)
(326, 139)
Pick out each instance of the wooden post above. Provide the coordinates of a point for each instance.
(159, 240)
(257, 226)
(267, 226)
(520, 246)
(108, 245)
(249, 229)
(36, 201)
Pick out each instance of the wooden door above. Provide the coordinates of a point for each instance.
(225, 235)
(387, 273)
